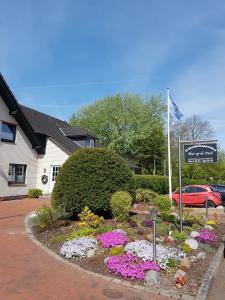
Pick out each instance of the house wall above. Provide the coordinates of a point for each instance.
(53, 156)
(19, 153)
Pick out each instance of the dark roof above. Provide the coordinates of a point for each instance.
(59, 131)
(37, 125)
(15, 110)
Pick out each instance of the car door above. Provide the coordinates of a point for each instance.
(202, 195)
(190, 195)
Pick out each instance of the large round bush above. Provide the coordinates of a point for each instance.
(88, 178)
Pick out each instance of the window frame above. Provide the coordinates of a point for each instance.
(14, 132)
(16, 182)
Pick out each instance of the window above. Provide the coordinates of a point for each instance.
(89, 143)
(8, 132)
(201, 190)
(17, 174)
(55, 172)
(191, 189)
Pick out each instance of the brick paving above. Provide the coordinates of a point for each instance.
(28, 273)
(217, 291)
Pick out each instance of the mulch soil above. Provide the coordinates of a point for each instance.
(96, 263)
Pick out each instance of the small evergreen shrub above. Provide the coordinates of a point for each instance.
(120, 205)
(34, 193)
(116, 251)
(104, 229)
(162, 229)
(163, 203)
(179, 236)
(46, 218)
(186, 248)
(171, 263)
(58, 239)
(89, 177)
(89, 219)
(145, 195)
(81, 233)
(168, 218)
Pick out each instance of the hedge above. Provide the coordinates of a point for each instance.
(89, 177)
(156, 183)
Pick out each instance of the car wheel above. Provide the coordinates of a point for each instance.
(210, 203)
(174, 203)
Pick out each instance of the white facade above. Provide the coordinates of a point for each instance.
(54, 157)
(21, 153)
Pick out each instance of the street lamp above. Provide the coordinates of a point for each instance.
(153, 214)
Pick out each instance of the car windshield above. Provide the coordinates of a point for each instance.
(218, 188)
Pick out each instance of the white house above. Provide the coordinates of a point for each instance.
(33, 146)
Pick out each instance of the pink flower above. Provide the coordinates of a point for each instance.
(112, 239)
(130, 266)
(206, 235)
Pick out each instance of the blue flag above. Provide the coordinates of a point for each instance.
(177, 113)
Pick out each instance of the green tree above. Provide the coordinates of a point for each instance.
(131, 125)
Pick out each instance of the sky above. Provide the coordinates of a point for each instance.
(57, 56)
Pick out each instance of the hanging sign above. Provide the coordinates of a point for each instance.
(200, 153)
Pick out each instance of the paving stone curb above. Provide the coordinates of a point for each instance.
(169, 293)
(210, 275)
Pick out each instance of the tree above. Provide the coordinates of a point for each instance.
(193, 128)
(131, 125)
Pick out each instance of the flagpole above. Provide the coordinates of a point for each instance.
(168, 137)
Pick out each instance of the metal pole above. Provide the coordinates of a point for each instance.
(180, 187)
(206, 210)
(168, 144)
(154, 240)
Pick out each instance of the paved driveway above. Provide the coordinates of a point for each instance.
(28, 273)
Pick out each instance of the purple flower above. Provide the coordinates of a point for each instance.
(112, 239)
(132, 223)
(206, 235)
(147, 223)
(130, 266)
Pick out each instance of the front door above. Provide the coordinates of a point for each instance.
(54, 172)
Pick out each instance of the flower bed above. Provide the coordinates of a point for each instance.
(125, 249)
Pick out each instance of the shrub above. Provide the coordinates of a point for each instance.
(120, 205)
(145, 195)
(116, 251)
(163, 203)
(89, 177)
(162, 229)
(179, 236)
(104, 229)
(186, 248)
(58, 239)
(168, 218)
(191, 218)
(46, 218)
(89, 219)
(34, 193)
(81, 233)
(158, 184)
(171, 263)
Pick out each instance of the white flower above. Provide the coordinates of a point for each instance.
(144, 250)
(78, 247)
(209, 227)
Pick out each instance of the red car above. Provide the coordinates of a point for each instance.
(196, 195)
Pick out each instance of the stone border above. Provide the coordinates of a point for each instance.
(202, 292)
(210, 275)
